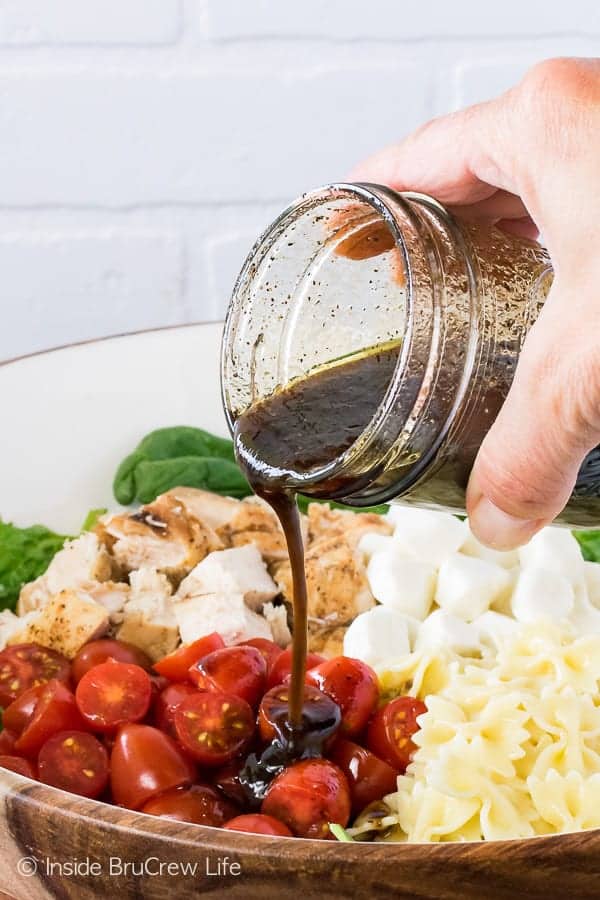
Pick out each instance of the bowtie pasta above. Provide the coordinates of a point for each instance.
(509, 746)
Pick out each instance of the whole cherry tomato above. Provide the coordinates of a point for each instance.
(200, 804)
(54, 711)
(269, 649)
(7, 742)
(214, 727)
(176, 666)
(167, 702)
(282, 667)
(235, 670)
(369, 778)
(258, 823)
(145, 762)
(20, 712)
(307, 796)
(97, 652)
(75, 761)
(320, 713)
(390, 731)
(19, 765)
(25, 665)
(112, 694)
(354, 687)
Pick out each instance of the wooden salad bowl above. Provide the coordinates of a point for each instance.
(43, 831)
(91, 404)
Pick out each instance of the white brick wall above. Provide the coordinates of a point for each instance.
(144, 143)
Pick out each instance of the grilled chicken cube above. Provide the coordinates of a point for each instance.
(11, 624)
(159, 536)
(68, 621)
(112, 596)
(326, 641)
(254, 522)
(81, 562)
(239, 570)
(325, 522)
(336, 582)
(201, 614)
(277, 617)
(213, 510)
(148, 616)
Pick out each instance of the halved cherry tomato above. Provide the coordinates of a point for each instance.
(282, 667)
(75, 761)
(269, 649)
(200, 804)
(19, 765)
(97, 652)
(354, 687)
(55, 711)
(145, 762)
(176, 666)
(369, 778)
(227, 779)
(320, 713)
(167, 702)
(214, 726)
(307, 796)
(25, 665)
(235, 670)
(258, 823)
(20, 712)
(112, 694)
(7, 742)
(390, 731)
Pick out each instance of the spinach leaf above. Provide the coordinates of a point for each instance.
(181, 444)
(589, 541)
(24, 554)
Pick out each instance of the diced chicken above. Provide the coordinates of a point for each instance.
(254, 522)
(443, 630)
(112, 595)
(226, 613)
(402, 582)
(213, 510)
(327, 641)
(326, 523)
(67, 622)
(467, 586)
(81, 562)
(540, 594)
(378, 636)
(149, 619)
(336, 582)
(426, 534)
(277, 618)
(239, 570)
(160, 536)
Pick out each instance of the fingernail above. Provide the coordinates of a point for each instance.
(497, 529)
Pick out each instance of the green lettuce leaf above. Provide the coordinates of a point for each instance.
(589, 541)
(24, 555)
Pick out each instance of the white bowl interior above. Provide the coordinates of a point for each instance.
(71, 415)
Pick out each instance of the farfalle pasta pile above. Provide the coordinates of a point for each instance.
(509, 746)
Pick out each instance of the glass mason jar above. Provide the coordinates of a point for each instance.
(349, 267)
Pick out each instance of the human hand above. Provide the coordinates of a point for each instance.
(528, 161)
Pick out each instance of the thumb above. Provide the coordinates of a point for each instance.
(527, 465)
